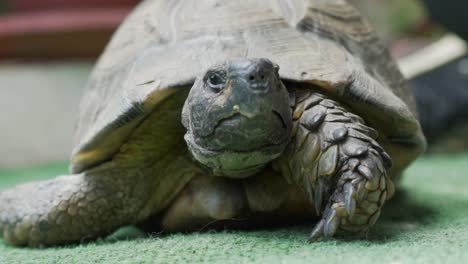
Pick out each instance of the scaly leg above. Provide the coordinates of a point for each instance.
(69, 208)
(337, 161)
(140, 180)
(73, 208)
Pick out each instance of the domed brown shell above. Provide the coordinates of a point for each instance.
(164, 45)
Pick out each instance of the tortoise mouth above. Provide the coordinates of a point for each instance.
(280, 118)
(232, 163)
(237, 119)
(241, 132)
(189, 137)
(232, 120)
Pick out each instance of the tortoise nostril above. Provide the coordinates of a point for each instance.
(251, 77)
(262, 77)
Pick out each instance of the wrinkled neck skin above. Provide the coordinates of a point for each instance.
(238, 117)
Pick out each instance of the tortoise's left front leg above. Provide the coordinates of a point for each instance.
(336, 160)
(69, 208)
(74, 208)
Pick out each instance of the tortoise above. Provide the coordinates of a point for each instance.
(229, 114)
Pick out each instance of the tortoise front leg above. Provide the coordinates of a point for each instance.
(73, 208)
(70, 208)
(336, 160)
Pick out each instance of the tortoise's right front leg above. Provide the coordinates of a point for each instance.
(335, 158)
(72, 208)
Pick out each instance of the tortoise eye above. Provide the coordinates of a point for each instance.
(215, 81)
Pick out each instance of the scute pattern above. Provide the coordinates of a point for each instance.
(167, 44)
(339, 21)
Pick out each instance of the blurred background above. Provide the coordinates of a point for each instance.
(48, 47)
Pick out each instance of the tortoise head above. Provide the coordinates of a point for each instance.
(238, 117)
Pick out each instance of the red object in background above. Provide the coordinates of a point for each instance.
(60, 29)
(32, 5)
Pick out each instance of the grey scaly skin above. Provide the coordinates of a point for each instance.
(347, 182)
(69, 208)
(240, 122)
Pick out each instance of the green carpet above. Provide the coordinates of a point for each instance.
(427, 224)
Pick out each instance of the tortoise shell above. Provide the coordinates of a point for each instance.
(164, 45)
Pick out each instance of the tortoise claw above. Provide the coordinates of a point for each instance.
(326, 228)
(317, 233)
(331, 224)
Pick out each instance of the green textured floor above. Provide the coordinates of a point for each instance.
(429, 225)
